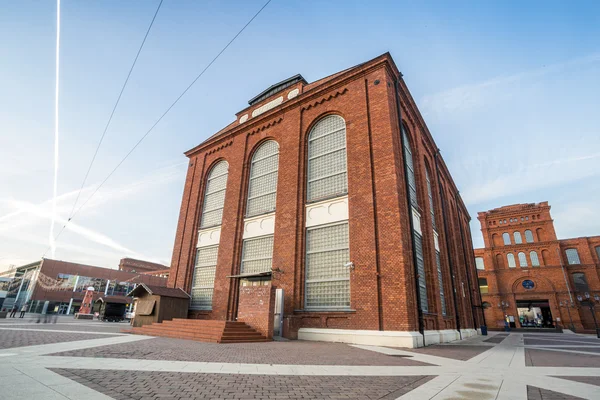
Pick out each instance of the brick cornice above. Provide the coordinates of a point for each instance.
(324, 99)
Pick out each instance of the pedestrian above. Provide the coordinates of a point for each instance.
(23, 310)
(13, 311)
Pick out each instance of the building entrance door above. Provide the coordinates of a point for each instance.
(535, 314)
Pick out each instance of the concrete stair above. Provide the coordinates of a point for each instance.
(202, 331)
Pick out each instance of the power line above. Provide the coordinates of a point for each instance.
(114, 108)
(161, 117)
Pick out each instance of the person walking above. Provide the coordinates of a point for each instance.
(13, 311)
(23, 311)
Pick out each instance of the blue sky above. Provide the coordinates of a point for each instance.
(511, 93)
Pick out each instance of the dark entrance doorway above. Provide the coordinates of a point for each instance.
(535, 314)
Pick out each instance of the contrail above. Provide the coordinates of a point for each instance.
(52, 244)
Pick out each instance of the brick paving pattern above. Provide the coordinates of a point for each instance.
(542, 358)
(12, 339)
(590, 380)
(455, 352)
(127, 385)
(108, 328)
(292, 352)
(535, 393)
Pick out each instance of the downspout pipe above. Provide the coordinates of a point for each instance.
(410, 219)
(465, 255)
(447, 240)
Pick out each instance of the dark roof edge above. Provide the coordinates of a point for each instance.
(298, 77)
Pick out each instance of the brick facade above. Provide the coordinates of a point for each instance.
(256, 307)
(372, 98)
(553, 278)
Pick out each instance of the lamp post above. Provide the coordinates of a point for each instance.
(591, 305)
(568, 305)
(504, 305)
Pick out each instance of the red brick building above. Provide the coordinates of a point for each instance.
(335, 192)
(140, 266)
(528, 274)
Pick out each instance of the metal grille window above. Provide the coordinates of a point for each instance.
(511, 260)
(506, 238)
(528, 236)
(572, 256)
(257, 255)
(214, 195)
(518, 238)
(418, 239)
(479, 263)
(522, 259)
(204, 278)
(327, 277)
(535, 261)
(438, 261)
(410, 171)
(327, 167)
(262, 189)
(429, 194)
(581, 284)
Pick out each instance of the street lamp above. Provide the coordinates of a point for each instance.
(591, 305)
(504, 305)
(568, 305)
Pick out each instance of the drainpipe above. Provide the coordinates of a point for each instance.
(410, 216)
(462, 242)
(447, 240)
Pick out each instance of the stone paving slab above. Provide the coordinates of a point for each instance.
(535, 393)
(455, 352)
(15, 338)
(126, 385)
(544, 342)
(292, 352)
(543, 358)
(590, 380)
(496, 339)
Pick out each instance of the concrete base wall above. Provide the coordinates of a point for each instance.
(384, 338)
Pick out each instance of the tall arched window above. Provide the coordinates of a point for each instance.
(511, 260)
(518, 238)
(327, 278)
(214, 195)
(203, 280)
(522, 259)
(436, 244)
(327, 172)
(528, 236)
(416, 216)
(262, 189)
(535, 261)
(506, 238)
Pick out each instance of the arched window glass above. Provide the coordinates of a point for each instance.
(483, 285)
(262, 188)
(518, 238)
(535, 261)
(327, 172)
(572, 256)
(528, 236)
(506, 238)
(522, 259)
(511, 260)
(438, 258)
(479, 263)
(214, 195)
(580, 282)
(417, 236)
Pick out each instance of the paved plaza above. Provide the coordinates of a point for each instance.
(92, 360)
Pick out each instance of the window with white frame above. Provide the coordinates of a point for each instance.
(204, 278)
(511, 260)
(438, 258)
(327, 276)
(214, 195)
(518, 238)
(528, 236)
(572, 256)
(327, 166)
(535, 261)
(262, 188)
(479, 263)
(522, 259)
(506, 238)
(257, 255)
(417, 236)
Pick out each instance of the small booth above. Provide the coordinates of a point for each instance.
(156, 304)
(112, 308)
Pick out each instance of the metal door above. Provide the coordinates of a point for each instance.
(278, 323)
